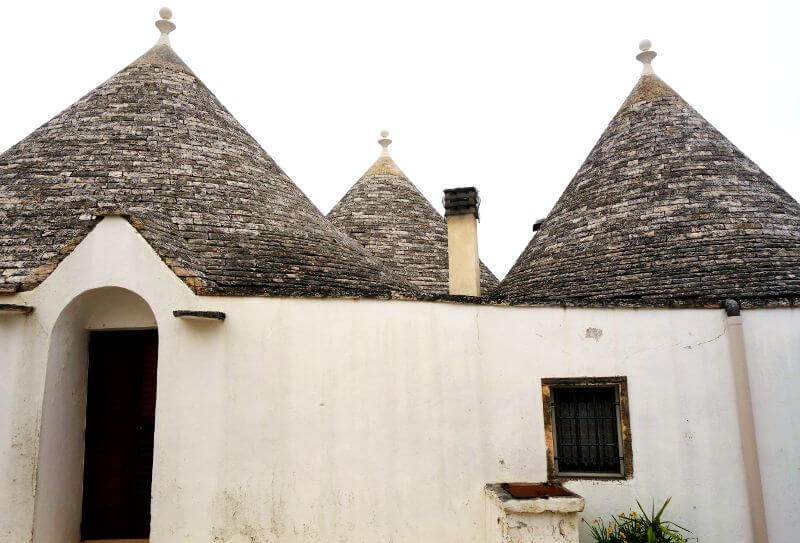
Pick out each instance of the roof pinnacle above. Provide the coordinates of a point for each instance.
(385, 142)
(164, 25)
(646, 57)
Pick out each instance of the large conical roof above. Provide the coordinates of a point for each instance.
(665, 210)
(154, 144)
(391, 218)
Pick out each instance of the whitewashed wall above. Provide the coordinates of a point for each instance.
(772, 342)
(20, 402)
(348, 420)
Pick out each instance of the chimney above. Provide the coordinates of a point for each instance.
(461, 210)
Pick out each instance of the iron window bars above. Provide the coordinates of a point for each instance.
(586, 431)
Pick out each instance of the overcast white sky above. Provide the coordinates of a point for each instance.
(508, 96)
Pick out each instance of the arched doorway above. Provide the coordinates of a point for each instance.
(94, 466)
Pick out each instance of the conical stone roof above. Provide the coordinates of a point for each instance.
(665, 210)
(391, 218)
(154, 144)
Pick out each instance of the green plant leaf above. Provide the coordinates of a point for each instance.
(657, 518)
(644, 515)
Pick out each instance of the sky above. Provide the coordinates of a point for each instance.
(507, 96)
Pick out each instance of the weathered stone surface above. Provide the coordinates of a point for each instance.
(155, 145)
(537, 520)
(664, 211)
(391, 218)
(572, 503)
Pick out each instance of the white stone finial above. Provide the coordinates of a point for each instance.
(164, 25)
(646, 57)
(385, 141)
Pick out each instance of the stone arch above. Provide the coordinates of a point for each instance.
(59, 467)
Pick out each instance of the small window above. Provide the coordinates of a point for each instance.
(587, 428)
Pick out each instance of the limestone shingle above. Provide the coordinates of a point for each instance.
(391, 218)
(154, 144)
(665, 210)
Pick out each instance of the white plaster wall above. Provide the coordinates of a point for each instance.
(683, 418)
(57, 504)
(346, 420)
(373, 421)
(19, 405)
(772, 343)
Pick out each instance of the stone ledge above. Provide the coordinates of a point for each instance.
(14, 308)
(571, 503)
(203, 315)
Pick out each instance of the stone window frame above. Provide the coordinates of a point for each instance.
(620, 384)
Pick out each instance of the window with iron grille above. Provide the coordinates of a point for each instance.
(586, 424)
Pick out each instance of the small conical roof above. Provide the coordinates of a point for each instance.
(391, 218)
(665, 210)
(154, 144)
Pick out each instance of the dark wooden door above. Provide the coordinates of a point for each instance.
(120, 416)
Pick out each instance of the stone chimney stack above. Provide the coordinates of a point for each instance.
(461, 210)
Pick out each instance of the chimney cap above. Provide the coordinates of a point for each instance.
(461, 201)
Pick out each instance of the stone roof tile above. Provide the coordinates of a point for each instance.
(664, 210)
(391, 218)
(154, 144)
